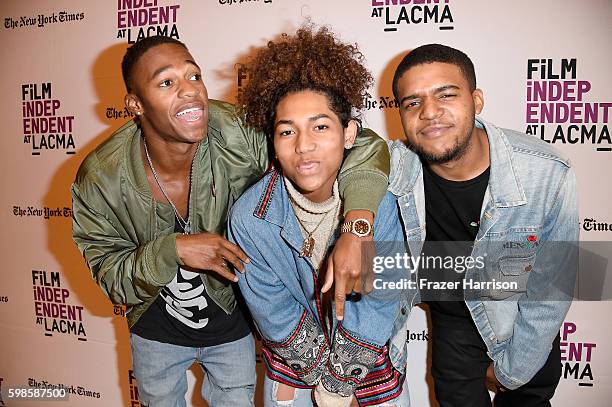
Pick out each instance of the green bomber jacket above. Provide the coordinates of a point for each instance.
(127, 238)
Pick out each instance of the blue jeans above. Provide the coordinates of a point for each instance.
(160, 370)
(303, 398)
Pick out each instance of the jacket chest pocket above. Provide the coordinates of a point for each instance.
(512, 259)
(514, 271)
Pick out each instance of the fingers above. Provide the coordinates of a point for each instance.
(236, 250)
(329, 277)
(222, 269)
(340, 296)
(232, 259)
(357, 287)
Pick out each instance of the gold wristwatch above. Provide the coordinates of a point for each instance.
(359, 227)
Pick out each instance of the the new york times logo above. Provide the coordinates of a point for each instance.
(70, 389)
(576, 356)
(402, 12)
(138, 19)
(119, 310)
(42, 20)
(592, 225)
(383, 102)
(556, 97)
(412, 336)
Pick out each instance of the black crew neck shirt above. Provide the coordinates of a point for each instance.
(452, 221)
(184, 314)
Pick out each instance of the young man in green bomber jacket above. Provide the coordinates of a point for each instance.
(150, 208)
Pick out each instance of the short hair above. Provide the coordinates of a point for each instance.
(133, 54)
(430, 53)
(309, 60)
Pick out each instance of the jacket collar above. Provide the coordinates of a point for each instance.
(505, 187)
(274, 207)
(504, 184)
(135, 164)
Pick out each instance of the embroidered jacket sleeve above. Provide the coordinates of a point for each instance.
(359, 341)
(287, 328)
(544, 305)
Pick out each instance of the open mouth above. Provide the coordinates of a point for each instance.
(190, 115)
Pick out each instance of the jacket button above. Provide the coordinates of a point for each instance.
(403, 311)
(528, 268)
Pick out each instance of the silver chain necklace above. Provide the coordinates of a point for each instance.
(184, 224)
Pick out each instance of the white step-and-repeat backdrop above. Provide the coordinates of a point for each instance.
(62, 94)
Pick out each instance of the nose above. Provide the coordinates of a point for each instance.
(304, 143)
(188, 88)
(430, 109)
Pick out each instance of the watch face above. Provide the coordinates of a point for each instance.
(362, 227)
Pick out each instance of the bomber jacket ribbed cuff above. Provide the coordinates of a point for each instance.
(363, 190)
(162, 259)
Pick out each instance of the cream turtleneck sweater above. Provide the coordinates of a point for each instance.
(318, 219)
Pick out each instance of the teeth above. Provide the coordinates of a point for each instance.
(193, 109)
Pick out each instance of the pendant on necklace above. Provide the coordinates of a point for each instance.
(187, 228)
(308, 246)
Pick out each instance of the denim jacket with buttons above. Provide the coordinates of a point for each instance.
(528, 214)
(282, 291)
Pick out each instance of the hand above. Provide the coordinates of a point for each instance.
(491, 379)
(209, 251)
(345, 265)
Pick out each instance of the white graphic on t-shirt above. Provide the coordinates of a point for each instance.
(188, 293)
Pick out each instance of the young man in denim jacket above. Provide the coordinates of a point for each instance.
(513, 199)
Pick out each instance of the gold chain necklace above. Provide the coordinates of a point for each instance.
(185, 224)
(309, 241)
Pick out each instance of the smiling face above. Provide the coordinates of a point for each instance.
(309, 142)
(168, 95)
(437, 109)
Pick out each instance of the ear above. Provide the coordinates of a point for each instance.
(350, 133)
(478, 98)
(133, 104)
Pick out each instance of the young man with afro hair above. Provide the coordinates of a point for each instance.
(304, 92)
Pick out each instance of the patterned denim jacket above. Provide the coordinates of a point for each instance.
(282, 291)
(530, 202)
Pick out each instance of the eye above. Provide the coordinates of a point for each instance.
(195, 77)
(447, 95)
(321, 127)
(285, 133)
(165, 83)
(411, 104)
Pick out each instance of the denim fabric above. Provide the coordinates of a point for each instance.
(160, 370)
(531, 196)
(282, 290)
(303, 397)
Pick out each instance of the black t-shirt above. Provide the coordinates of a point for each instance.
(452, 221)
(184, 314)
